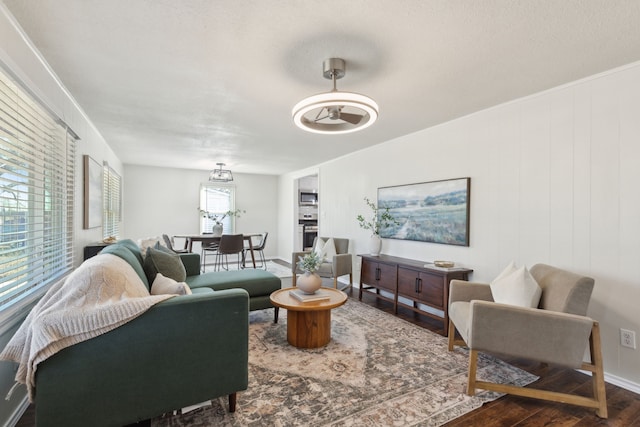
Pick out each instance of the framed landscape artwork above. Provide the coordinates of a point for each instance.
(436, 212)
(92, 193)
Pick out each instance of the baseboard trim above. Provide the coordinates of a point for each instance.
(622, 383)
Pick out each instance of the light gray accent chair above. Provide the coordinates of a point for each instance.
(557, 332)
(340, 265)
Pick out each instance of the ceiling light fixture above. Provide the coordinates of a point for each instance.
(220, 175)
(335, 112)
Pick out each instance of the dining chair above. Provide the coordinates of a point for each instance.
(208, 248)
(229, 244)
(259, 249)
(169, 244)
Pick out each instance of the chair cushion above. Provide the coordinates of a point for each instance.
(326, 249)
(459, 312)
(169, 265)
(516, 286)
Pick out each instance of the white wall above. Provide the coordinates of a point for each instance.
(165, 201)
(554, 179)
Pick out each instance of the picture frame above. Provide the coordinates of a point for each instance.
(435, 211)
(92, 193)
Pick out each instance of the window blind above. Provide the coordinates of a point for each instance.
(112, 201)
(37, 157)
(217, 199)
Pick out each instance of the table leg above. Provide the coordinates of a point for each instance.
(308, 329)
(253, 258)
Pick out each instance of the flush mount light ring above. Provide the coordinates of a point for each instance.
(335, 112)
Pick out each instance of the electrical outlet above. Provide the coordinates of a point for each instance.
(628, 338)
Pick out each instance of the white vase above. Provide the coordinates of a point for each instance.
(375, 244)
(216, 230)
(309, 283)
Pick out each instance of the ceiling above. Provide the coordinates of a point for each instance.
(194, 82)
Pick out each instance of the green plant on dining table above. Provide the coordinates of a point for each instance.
(219, 217)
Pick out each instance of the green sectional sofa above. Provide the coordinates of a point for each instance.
(182, 351)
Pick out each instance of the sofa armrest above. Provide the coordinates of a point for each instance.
(461, 290)
(342, 264)
(191, 263)
(295, 257)
(182, 351)
(544, 335)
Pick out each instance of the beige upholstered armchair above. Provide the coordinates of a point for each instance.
(335, 266)
(557, 332)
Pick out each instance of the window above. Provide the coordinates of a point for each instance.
(37, 158)
(216, 200)
(111, 195)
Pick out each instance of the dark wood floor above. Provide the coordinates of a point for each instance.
(623, 405)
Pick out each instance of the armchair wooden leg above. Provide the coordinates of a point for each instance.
(452, 334)
(293, 280)
(233, 398)
(335, 282)
(276, 311)
(599, 392)
(473, 367)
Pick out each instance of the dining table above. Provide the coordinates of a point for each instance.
(206, 239)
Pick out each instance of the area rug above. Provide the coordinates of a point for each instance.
(378, 370)
(279, 270)
(272, 267)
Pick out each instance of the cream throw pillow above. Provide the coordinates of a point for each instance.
(326, 250)
(516, 286)
(166, 285)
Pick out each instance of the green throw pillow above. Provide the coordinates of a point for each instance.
(169, 265)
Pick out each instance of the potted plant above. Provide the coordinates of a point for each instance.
(310, 281)
(217, 219)
(380, 218)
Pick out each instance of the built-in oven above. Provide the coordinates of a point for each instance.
(308, 220)
(309, 234)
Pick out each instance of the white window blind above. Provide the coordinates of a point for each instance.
(37, 157)
(217, 199)
(112, 197)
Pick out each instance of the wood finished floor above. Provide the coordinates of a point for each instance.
(623, 405)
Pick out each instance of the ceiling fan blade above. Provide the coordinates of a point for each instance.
(354, 119)
(317, 119)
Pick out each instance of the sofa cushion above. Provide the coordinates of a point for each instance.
(516, 286)
(256, 282)
(149, 242)
(169, 265)
(166, 285)
(126, 254)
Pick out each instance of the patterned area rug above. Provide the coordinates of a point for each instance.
(377, 370)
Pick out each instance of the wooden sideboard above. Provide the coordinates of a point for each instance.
(411, 280)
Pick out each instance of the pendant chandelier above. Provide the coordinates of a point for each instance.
(220, 175)
(335, 112)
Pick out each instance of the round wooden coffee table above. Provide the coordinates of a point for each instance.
(308, 322)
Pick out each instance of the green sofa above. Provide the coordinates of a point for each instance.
(182, 351)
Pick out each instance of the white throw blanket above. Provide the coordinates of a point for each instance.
(103, 293)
